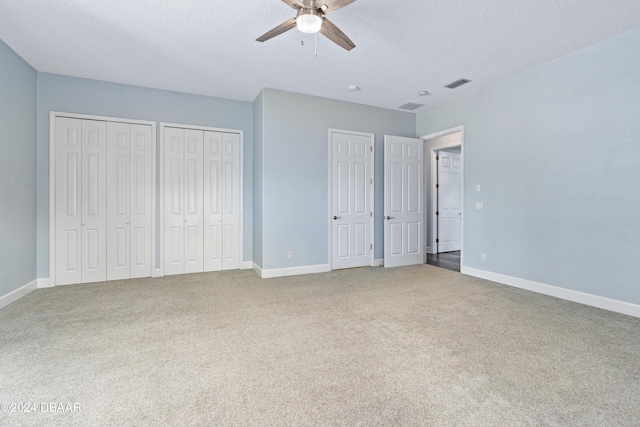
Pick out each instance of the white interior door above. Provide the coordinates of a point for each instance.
(93, 196)
(193, 200)
(174, 218)
(221, 201)
(213, 227)
(351, 200)
(231, 196)
(403, 203)
(68, 214)
(118, 200)
(141, 200)
(449, 202)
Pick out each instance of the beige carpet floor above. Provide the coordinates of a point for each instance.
(365, 347)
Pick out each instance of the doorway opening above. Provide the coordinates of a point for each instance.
(444, 198)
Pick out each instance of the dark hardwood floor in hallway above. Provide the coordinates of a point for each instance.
(448, 260)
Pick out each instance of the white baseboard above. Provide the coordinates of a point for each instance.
(247, 265)
(292, 271)
(429, 250)
(15, 295)
(44, 283)
(378, 262)
(555, 291)
(157, 272)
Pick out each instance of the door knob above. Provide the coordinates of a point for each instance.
(336, 217)
(390, 217)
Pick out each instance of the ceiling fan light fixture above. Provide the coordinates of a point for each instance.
(309, 21)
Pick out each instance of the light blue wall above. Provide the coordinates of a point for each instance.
(296, 171)
(17, 171)
(75, 95)
(258, 146)
(557, 151)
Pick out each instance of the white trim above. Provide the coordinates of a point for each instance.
(431, 214)
(292, 271)
(372, 136)
(247, 265)
(378, 262)
(618, 306)
(15, 295)
(52, 181)
(164, 125)
(44, 283)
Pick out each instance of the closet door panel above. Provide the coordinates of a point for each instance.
(193, 196)
(68, 214)
(231, 192)
(93, 195)
(213, 211)
(118, 234)
(174, 201)
(140, 202)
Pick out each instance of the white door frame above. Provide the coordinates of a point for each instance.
(330, 193)
(431, 216)
(160, 269)
(52, 181)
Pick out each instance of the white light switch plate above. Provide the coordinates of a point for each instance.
(478, 205)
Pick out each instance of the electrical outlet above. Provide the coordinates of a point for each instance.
(479, 205)
(290, 254)
(483, 257)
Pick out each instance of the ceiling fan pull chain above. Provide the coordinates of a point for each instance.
(315, 40)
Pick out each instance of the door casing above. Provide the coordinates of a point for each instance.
(430, 213)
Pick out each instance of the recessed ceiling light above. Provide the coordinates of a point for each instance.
(353, 88)
(423, 93)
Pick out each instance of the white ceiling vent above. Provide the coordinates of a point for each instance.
(457, 83)
(410, 106)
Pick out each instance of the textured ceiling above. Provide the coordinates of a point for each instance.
(208, 46)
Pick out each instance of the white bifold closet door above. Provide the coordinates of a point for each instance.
(201, 200)
(98, 175)
(129, 191)
(183, 201)
(221, 201)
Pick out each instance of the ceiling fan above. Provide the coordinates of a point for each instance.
(311, 19)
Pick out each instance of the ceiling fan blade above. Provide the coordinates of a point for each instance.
(328, 6)
(285, 26)
(296, 4)
(333, 33)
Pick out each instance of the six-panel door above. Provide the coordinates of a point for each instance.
(351, 193)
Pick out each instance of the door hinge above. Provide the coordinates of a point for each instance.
(437, 185)
(371, 214)
(437, 240)
(437, 213)
(371, 181)
(371, 149)
(437, 158)
(371, 246)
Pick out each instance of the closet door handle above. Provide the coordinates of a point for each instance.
(390, 217)
(336, 217)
